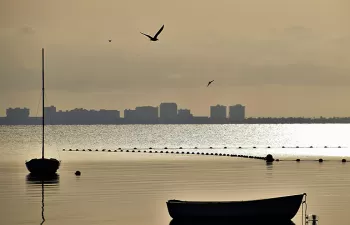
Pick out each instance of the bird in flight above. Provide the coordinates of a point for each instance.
(210, 83)
(155, 36)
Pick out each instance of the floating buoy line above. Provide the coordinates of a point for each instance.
(166, 150)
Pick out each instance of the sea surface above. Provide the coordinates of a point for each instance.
(132, 188)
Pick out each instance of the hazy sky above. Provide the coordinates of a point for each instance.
(277, 57)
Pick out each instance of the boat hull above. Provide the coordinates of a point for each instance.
(272, 221)
(43, 166)
(281, 208)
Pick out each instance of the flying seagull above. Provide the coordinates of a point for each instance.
(210, 83)
(155, 36)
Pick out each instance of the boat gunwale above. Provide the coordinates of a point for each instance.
(172, 201)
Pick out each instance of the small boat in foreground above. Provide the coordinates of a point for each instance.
(280, 208)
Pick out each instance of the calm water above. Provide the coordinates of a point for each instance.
(132, 188)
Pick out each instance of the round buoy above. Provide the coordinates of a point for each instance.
(83, 150)
(207, 153)
(343, 160)
(195, 148)
(211, 147)
(115, 150)
(177, 152)
(63, 149)
(103, 150)
(268, 147)
(165, 148)
(297, 147)
(188, 153)
(150, 151)
(127, 150)
(150, 148)
(119, 148)
(325, 147)
(133, 151)
(155, 151)
(239, 147)
(166, 152)
(254, 147)
(70, 150)
(96, 150)
(135, 148)
(198, 153)
(211, 153)
(77, 173)
(182, 152)
(144, 151)
(180, 148)
(161, 151)
(138, 151)
(298, 160)
(172, 152)
(220, 154)
(225, 147)
(320, 160)
(269, 158)
(76, 150)
(109, 150)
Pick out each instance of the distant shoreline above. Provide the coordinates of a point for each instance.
(194, 121)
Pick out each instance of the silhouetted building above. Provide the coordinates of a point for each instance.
(237, 113)
(141, 115)
(82, 116)
(184, 116)
(218, 113)
(168, 112)
(17, 115)
(50, 114)
(146, 114)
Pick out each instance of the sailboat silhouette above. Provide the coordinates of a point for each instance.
(43, 166)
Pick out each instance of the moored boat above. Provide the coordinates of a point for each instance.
(279, 208)
(43, 167)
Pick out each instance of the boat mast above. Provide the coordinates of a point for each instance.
(43, 109)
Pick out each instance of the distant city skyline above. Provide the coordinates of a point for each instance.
(165, 113)
(162, 110)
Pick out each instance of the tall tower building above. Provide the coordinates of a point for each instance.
(237, 113)
(168, 112)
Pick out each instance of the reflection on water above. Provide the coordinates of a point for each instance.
(46, 180)
(52, 179)
(228, 222)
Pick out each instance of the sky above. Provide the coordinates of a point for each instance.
(276, 57)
